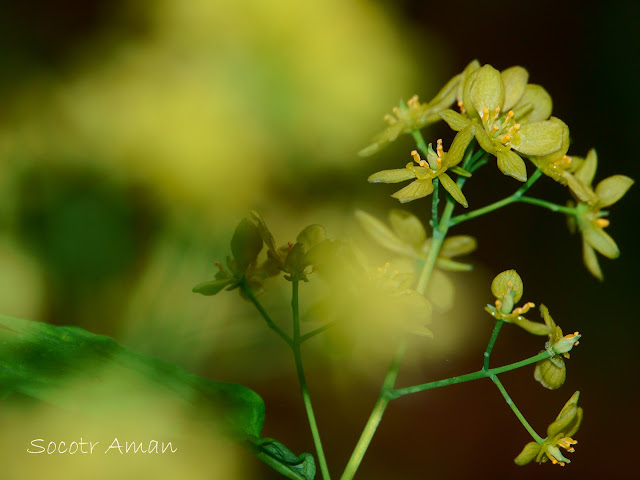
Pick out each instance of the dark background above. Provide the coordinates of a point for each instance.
(584, 53)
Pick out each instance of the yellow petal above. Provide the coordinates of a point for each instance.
(459, 145)
(383, 234)
(515, 80)
(392, 176)
(407, 227)
(535, 105)
(540, 138)
(485, 141)
(487, 89)
(413, 191)
(591, 260)
(453, 189)
(587, 171)
(441, 291)
(612, 189)
(458, 245)
(455, 120)
(601, 241)
(511, 164)
(505, 282)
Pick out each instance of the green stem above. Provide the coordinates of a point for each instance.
(492, 341)
(419, 139)
(517, 196)
(303, 381)
(399, 392)
(551, 206)
(523, 420)
(315, 332)
(245, 288)
(434, 203)
(376, 414)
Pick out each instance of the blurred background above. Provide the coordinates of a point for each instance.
(135, 135)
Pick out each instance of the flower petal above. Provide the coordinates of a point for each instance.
(413, 191)
(487, 89)
(579, 189)
(407, 227)
(468, 70)
(528, 453)
(458, 245)
(587, 170)
(612, 189)
(392, 176)
(601, 241)
(539, 138)
(507, 281)
(383, 234)
(446, 96)
(535, 105)
(383, 139)
(515, 80)
(485, 141)
(453, 189)
(551, 373)
(459, 145)
(454, 119)
(511, 164)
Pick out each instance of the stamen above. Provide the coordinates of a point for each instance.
(505, 139)
(494, 129)
(525, 308)
(390, 119)
(413, 102)
(603, 222)
(439, 149)
(461, 106)
(514, 129)
(416, 158)
(219, 265)
(496, 112)
(396, 111)
(485, 114)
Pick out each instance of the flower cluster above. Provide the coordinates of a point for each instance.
(510, 119)
(559, 434)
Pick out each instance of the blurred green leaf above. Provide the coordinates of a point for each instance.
(212, 287)
(92, 374)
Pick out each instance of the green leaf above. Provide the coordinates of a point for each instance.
(392, 176)
(511, 164)
(212, 287)
(284, 461)
(92, 374)
(245, 245)
(454, 119)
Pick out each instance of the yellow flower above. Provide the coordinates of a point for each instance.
(552, 372)
(589, 214)
(511, 116)
(408, 238)
(435, 166)
(508, 288)
(559, 434)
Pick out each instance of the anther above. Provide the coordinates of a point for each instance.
(413, 102)
(416, 157)
(461, 106)
(439, 149)
(602, 222)
(390, 119)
